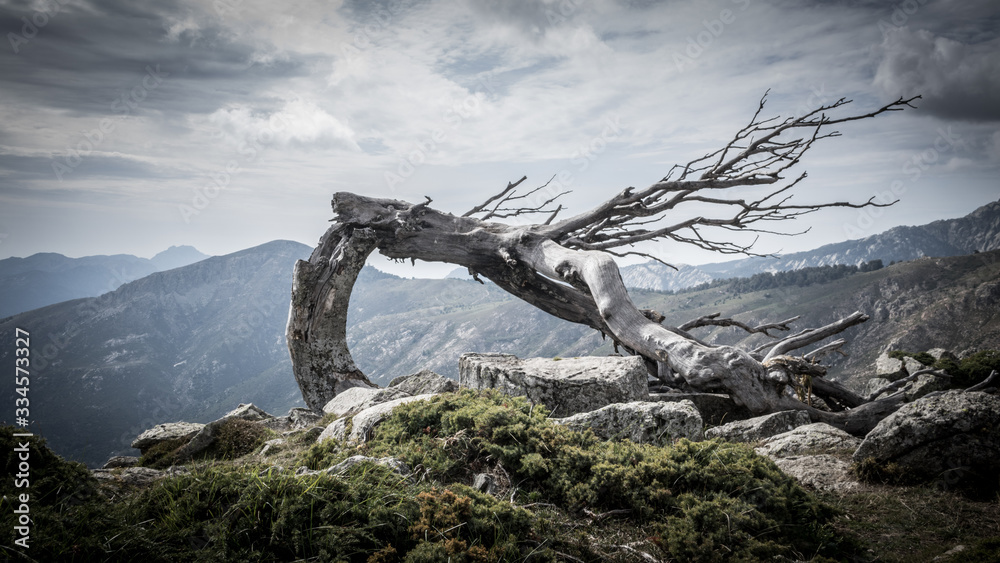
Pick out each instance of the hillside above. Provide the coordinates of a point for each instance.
(978, 231)
(49, 278)
(173, 345)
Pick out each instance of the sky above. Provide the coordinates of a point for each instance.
(127, 127)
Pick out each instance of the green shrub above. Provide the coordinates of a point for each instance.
(163, 454)
(235, 438)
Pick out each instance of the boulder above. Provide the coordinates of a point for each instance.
(424, 382)
(296, 419)
(365, 421)
(939, 353)
(357, 399)
(164, 432)
(912, 366)
(715, 408)
(922, 385)
(272, 445)
(247, 412)
(821, 472)
(761, 427)
(641, 421)
(873, 385)
(815, 438)
(889, 368)
(951, 437)
(566, 386)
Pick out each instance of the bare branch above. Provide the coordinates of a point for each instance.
(714, 320)
(485, 204)
(815, 335)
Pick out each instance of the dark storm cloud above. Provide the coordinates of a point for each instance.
(957, 80)
(82, 60)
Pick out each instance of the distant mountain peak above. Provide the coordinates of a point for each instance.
(177, 256)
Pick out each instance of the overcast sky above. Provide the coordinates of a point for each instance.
(128, 127)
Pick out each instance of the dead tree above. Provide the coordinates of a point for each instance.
(566, 268)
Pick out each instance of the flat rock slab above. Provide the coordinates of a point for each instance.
(761, 427)
(821, 472)
(566, 386)
(950, 436)
(357, 399)
(164, 432)
(641, 422)
(813, 438)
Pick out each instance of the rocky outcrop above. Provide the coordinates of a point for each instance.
(357, 399)
(642, 422)
(950, 437)
(566, 386)
(423, 382)
(164, 432)
(121, 461)
(759, 428)
(206, 436)
(809, 439)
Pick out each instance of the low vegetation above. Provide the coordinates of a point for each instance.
(554, 495)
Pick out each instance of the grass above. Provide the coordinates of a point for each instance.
(561, 496)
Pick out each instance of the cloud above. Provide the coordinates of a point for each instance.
(298, 122)
(956, 80)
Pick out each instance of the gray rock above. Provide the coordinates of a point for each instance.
(131, 476)
(938, 353)
(923, 385)
(164, 432)
(484, 483)
(272, 445)
(121, 461)
(889, 368)
(424, 382)
(813, 438)
(365, 421)
(761, 427)
(567, 386)
(299, 418)
(641, 421)
(873, 385)
(952, 437)
(821, 472)
(912, 366)
(715, 408)
(247, 412)
(357, 399)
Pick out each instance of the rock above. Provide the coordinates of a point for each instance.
(206, 436)
(299, 418)
(424, 382)
(912, 366)
(121, 461)
(164, 432)
(923, 385)
(247, 412)
(641, 422)
(813, 438)
(365, 421)
(821, 472)
(947, 556)
(873, 385)
(889, 368)
(715, 408)
(568, 386)
(357, 399)
(952, 437)
(349, 400)
(759, 428)
(939, 353)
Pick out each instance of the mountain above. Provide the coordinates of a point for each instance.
(177, 256)
(47, 278)
(181, 344)
(976, 232)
